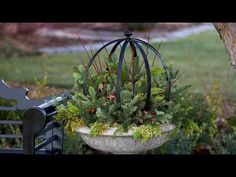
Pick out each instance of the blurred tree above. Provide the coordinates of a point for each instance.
(227, 32)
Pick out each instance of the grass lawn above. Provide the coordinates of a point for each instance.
(201, 57)
(203, 60)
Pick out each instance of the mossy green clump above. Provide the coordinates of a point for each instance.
(98, 128)
(146, 132)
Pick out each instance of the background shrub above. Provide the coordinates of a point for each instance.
(10, 129)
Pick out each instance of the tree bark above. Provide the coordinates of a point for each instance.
(227, 32)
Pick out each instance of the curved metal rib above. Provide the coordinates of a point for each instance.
(148, 73)
(114, 47)
(119, 71)
(161, 58)
(85, 88)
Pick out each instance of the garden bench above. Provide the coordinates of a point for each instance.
(41, 134)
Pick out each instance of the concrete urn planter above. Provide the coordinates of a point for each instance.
(123, 143)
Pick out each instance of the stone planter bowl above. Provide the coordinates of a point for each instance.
(123, 143)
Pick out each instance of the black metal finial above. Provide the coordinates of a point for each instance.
(128, 33)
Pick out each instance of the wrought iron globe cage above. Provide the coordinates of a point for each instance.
(135, 44)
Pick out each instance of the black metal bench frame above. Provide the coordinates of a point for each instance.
(37, 122)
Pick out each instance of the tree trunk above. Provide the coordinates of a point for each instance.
(227, 32)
